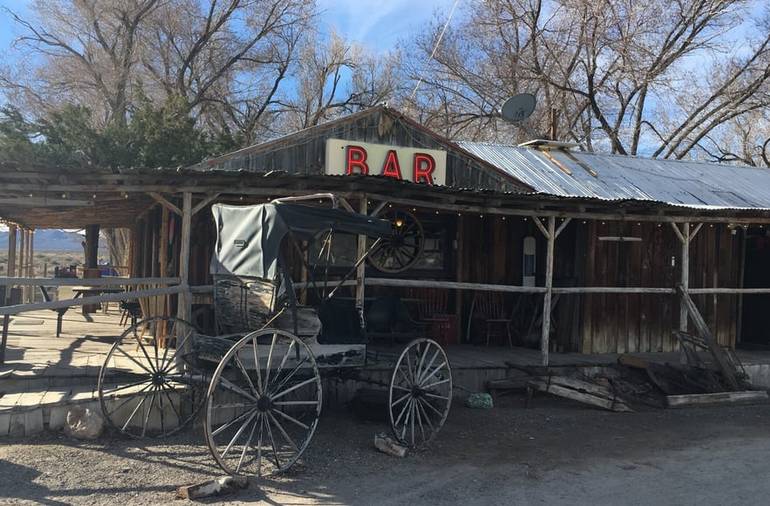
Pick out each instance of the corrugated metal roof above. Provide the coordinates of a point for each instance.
(700, 185)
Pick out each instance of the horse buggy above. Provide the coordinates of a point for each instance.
(256, 386)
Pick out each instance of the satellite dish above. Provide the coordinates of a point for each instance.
(519, 107)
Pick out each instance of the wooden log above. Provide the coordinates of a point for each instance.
(713, 399)
(579, 396)
(96, 299)
(633, 361)
(11, 270)
(94, 282)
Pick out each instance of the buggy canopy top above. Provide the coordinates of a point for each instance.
(249, 237)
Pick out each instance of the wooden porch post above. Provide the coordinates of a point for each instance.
(546, 330)
(184, 309)
(11, 252)
(685, 280)
(361, 269)
(31, 267)
(22, 259)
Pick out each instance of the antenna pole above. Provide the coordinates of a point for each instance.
(554, 123)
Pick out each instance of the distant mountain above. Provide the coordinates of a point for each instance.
(50, 240)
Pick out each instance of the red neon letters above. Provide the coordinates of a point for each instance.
(423, 164)
(356, 157)
(391, 167)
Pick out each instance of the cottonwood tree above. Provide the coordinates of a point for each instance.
(229, 59)
(79, 52)
(335, 77)
(630, 77)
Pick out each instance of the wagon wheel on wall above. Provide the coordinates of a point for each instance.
(420, 393)
(148, 386)
(403, 249)
(259, 420)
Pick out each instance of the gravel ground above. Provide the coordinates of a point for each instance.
(555, 452)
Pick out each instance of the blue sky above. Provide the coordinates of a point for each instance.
(378, 24)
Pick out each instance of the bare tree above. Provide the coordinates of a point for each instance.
(227, 58)
(335, 77)
(628, 77)
(87, 51)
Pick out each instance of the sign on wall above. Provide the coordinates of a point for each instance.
(411, 164)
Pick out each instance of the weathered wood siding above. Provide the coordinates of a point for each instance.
(304, 153)
(610, 323)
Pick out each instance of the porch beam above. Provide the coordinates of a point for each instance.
(206, 201)
(160, 199)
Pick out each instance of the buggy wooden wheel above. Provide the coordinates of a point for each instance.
(147, 385)
(260, 418)
(402, 249)
(420, 393)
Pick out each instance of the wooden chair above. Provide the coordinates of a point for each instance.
(433, 313)
(490, 308)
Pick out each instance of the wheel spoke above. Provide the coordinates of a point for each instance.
(166, 390)
(269, 359)
(259, 444)
(297, 403)
(149, 412)
(160, 406)
(401, 399)
(425, 387)
(283, 361)
(403, 410)
(179, 347)
(272, 443)
(283, 432)
(421, 380)
(130, 398)
(238, 433)
(406, 420)
(291, 374)
(139, 405)
(231, 422)
(292, 388)
(256, 364)
(248, 444)
(431, 406)
(443, 398)
(144, 368)
(411, 420)
(437, 369)
(123, 387)
(425, 414)
(291, 419)
(246, 375)
(229, 385)
(144, 351)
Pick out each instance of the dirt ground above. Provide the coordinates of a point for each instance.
(553, 453)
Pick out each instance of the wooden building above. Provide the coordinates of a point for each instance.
(629, 230)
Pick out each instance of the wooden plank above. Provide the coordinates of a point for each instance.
(93, 282)
(113, 297)
(579, 396)
(713, 399)
(587, 330)
(705, 334)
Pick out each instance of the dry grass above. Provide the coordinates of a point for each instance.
(46, 261)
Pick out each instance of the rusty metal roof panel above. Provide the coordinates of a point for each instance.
(694, 184)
